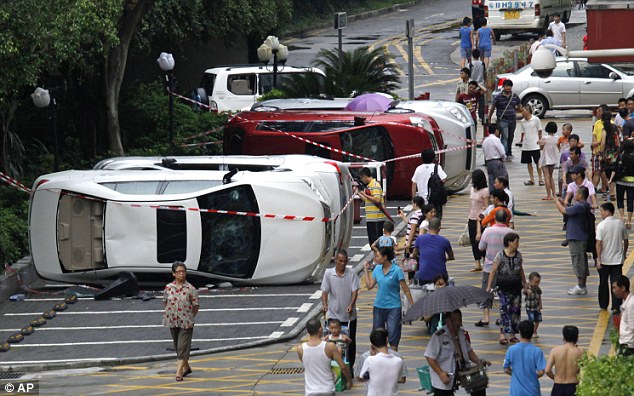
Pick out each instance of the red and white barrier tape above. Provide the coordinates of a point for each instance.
(218, 211)
(209, 132)
(186, 99)
(8, 179)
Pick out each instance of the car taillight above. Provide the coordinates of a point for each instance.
(538, 10)
(486, 11)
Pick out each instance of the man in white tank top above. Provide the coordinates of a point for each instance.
(316, 355)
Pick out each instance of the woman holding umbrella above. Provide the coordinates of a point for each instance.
(508, 274)
(387, 304)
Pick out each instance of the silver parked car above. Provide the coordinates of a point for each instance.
(574, 84)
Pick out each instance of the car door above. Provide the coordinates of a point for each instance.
(562, 86)
(596, 85)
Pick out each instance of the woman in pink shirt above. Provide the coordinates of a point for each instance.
(478, 201)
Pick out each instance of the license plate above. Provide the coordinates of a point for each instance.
(511, 15)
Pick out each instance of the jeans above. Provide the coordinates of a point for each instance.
(390, 320)
(605, 272)
(507, 132)
(375, 230)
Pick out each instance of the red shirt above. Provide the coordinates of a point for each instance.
(471, 101)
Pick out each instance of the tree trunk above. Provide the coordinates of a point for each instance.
(114, 68)
(7, 119)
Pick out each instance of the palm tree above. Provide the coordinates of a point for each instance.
(363, 70)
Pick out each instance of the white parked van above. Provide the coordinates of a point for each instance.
(513, 17)
(232, 88)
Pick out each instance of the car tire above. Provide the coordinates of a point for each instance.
(539, 104)
(497, 35)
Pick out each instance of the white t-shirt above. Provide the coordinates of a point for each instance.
(558, 30)
(385, 371)
(421, 178)
(611, 232)
(530, 128)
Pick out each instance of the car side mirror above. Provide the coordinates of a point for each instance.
(613, 76)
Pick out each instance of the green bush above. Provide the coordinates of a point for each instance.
(14, 243)
(145, 124)
(606, 375)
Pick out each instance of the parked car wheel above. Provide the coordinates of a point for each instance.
(539, 104)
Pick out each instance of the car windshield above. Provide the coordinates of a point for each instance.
(230, 243)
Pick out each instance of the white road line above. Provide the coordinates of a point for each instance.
(276, 334)
(158, 311)
(256, 295)
(143, 326)
(305, 307)
(357, 257)
(289, 322)
(359, 236)
(316, 295)
(61, 344)
(366, 248)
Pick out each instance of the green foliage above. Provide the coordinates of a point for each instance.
(606, 375)
(13, 224)
(363, 70)
(275, 94)
(145, 123)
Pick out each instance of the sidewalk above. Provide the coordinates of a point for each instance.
(275, 369)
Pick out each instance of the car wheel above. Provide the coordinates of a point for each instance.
(497, 35)
(538, 103)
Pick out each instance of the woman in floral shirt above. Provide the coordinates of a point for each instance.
(181, 306)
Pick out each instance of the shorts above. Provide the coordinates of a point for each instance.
(528, 155)
(465, 53)
(579, 258)
(564, 390)
(485, 52)
(534, 316)
(596, 163)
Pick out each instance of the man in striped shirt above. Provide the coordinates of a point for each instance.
(373, 197)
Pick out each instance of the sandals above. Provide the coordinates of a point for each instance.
(529, 183)
(541, 183)
(547, 199)
(476, 269)
(179, 378)
(503, 341)
(187, 372)
(480, 323)
(514, 340)
(628, 226)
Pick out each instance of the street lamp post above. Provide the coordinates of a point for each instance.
(271, 48)
(166, 63)
(42, 99)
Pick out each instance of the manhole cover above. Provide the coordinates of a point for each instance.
(11, 376)
(287, 370)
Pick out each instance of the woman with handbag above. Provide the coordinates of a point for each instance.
(478, 201)
(508, 273)
(416, 216)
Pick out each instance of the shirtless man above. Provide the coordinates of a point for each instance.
(564, 358)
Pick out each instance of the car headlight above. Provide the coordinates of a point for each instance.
(421, 122)
(213, 105)
(458, 114)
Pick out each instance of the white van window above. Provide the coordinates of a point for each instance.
(241, 84)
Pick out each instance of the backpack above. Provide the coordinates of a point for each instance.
(436, 192)
(385, 241)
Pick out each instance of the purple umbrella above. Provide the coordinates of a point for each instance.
(369, 102)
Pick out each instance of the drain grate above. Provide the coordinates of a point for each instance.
(287, 370)
(12, 376)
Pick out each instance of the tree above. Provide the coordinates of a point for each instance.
(363, 70)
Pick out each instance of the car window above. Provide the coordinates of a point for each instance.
(592, 70)
(241, 84)
(187, 186)
(171, 235)
(230, 243)
(134, 187)
(308, 78)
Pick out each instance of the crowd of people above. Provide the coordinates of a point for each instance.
(494, 243)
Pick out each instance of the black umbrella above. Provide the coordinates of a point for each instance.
(446, 299)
